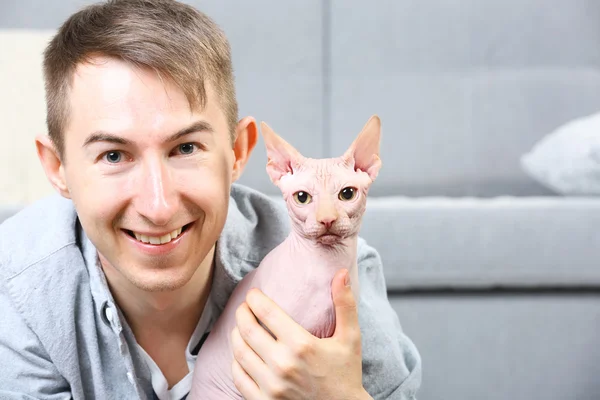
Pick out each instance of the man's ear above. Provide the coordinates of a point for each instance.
(52, 164)
(363, 153)
(282, 157)
(246, 136)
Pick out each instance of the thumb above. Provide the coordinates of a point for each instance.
(346, 314)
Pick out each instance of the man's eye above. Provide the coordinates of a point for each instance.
(187, 148)
(113, 157)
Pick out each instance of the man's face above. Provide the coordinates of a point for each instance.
(141, 167)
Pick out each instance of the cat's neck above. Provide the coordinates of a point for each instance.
(327, 260)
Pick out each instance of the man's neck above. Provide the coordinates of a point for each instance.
(163, 322)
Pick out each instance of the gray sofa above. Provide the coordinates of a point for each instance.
(494, 277)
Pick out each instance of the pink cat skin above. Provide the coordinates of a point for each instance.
(326, 199)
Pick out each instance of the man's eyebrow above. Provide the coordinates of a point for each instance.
(102, 136)
(198, 126)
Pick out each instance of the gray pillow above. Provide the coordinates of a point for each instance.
(567, 160)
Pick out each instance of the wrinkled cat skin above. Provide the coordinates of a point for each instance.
(326, 199)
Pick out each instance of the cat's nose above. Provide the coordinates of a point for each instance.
(327, 222)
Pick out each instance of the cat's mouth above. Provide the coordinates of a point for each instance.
(329, 238)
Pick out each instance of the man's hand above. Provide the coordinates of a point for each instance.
(297, 365)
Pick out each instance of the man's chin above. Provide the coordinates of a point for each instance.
(157, 281)
(150, 274)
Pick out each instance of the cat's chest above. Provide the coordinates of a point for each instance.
(301, 285)
(297, 268)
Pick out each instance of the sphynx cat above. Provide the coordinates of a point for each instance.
(326, 199)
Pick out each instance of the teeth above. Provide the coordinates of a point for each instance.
(165, 239)
(158, 240)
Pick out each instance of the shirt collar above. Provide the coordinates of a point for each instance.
(103, 299)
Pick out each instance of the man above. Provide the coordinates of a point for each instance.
(108, 290)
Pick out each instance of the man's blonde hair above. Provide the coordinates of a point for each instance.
(175, 40)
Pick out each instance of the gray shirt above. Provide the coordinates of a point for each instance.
(63, 336)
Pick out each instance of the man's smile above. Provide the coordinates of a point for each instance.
(157, 239)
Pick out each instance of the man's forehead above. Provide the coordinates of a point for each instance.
(111, 95)
(110, 80)
(117, 86)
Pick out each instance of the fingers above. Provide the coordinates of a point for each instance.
(250, 362)
(347, 326)
(244, 383)
(255, 336)
(275, 319)
(271, 365)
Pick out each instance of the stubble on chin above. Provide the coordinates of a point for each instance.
(156, 278)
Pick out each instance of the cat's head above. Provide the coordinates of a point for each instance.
(326, 198)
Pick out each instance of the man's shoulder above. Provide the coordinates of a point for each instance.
(36, 232)
(252, 203)
(256, 223)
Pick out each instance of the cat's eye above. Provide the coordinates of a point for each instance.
(347, 193)
(302, 197)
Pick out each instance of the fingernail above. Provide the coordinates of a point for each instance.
(347, 279)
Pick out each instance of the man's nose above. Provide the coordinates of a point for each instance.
(157, 195)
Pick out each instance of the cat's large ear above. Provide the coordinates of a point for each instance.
(363, 153)
(282, 157)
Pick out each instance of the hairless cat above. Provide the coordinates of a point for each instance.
(326, 199)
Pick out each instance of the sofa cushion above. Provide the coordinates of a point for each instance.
(470, 243)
